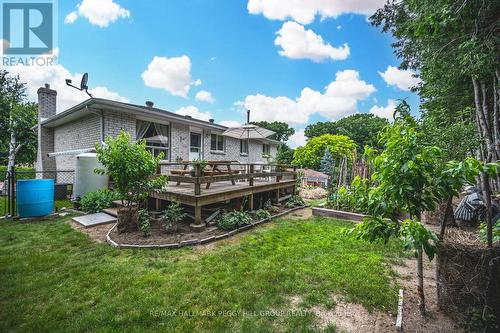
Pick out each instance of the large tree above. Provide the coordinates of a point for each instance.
(17, 118)
(362, 128)
(309, 156)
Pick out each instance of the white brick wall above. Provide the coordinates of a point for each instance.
(115, 121)
(80, 134)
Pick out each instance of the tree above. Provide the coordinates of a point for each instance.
(283, 131)
(284, 154)
(363, 128)
(327, 163)
(132, 167)
(18, 142)
(310, 155)
(411, 176)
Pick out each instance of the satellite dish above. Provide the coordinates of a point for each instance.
(83, 84)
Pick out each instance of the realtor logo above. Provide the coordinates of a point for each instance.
(28, 27)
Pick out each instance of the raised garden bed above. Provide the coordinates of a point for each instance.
(184, 236)
(338, 214)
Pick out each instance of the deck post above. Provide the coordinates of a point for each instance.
(277, 196)
(294, 187)
(198, 225)
(250, 202)
(197, 174)
(251, 174)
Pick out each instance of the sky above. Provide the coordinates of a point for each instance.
(297, 61)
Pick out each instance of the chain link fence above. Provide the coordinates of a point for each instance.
(63, 188)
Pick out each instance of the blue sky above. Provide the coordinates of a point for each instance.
(274, 58)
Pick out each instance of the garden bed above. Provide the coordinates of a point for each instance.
(183, 237)
(338, 214)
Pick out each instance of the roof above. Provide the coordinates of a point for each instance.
(93, 105)
(310, 173)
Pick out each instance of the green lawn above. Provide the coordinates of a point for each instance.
(54, 279)
(58, 204)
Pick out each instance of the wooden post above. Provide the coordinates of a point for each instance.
(277, 195)
(251, 174)
(197, 174)
(294, 187)
(198, 225)
(250, 202)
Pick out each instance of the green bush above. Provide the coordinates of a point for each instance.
(234, 220)
(144, 222)
(295, 201)
(94, 202)
(262, 214)
(172, 216)
(496, 232)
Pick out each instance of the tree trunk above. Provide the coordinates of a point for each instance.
(420, 277)
(489, 213)
(445, 217)
(482, 120)
(496, 122)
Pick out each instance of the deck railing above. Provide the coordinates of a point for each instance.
(223, 171)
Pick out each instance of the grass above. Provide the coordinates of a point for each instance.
(55, 279)
(315, 202)
(58, 204)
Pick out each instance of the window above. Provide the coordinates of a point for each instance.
(244, 147)
(156, 137)
(266, 149)
(217, 142)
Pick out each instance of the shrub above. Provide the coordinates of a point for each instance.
(262, 214)
(144, 222)
(234, 220)
(496, 232)
(295, 201)
(172, 216)
(94, 202)
(269, 207)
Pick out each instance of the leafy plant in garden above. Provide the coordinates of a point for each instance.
(262, 214)
(268, 205)
(172, 216)
(132, 167)
(96, 201)
(144, 222)
(496, 231)
(295, 201)
(233, 220)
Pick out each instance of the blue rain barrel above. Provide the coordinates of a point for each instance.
(35, 197)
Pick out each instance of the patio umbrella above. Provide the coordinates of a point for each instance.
(248, 131)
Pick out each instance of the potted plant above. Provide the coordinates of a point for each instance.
(132, 167)
(198, 163)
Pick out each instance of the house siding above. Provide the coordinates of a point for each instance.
(80, 134)
(115, 121)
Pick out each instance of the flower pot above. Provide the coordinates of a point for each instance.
(128, 218)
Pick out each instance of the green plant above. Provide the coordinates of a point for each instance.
(268, 205)
(172, 216)
(144, 222)
(233, 220)
(96, 201)
(295, 201)
(132, 167)
(202, 163)
(262, 214)
(311, 154)
(496, 231)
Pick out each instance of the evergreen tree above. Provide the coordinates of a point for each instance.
(327, 162)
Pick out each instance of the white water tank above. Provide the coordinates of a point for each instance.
(86, 180)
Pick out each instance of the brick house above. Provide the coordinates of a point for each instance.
(76, 130)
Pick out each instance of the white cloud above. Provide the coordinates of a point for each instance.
(385, 111)
(98, 12)
(37, 76)
(403, 79)
(298, 43)
(338, 100)
(171, 74)
(297, 139)
(304, 11)
(204, 96)
(230, 123)
(194, 112)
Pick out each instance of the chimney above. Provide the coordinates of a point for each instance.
(211, 120)
(149, 104)
(46, 109)
(46, 102)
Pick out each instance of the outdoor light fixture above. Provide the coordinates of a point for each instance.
(83, 84)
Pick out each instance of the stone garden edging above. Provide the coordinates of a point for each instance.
(195, 241)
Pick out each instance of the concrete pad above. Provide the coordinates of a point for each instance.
(94, 219)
